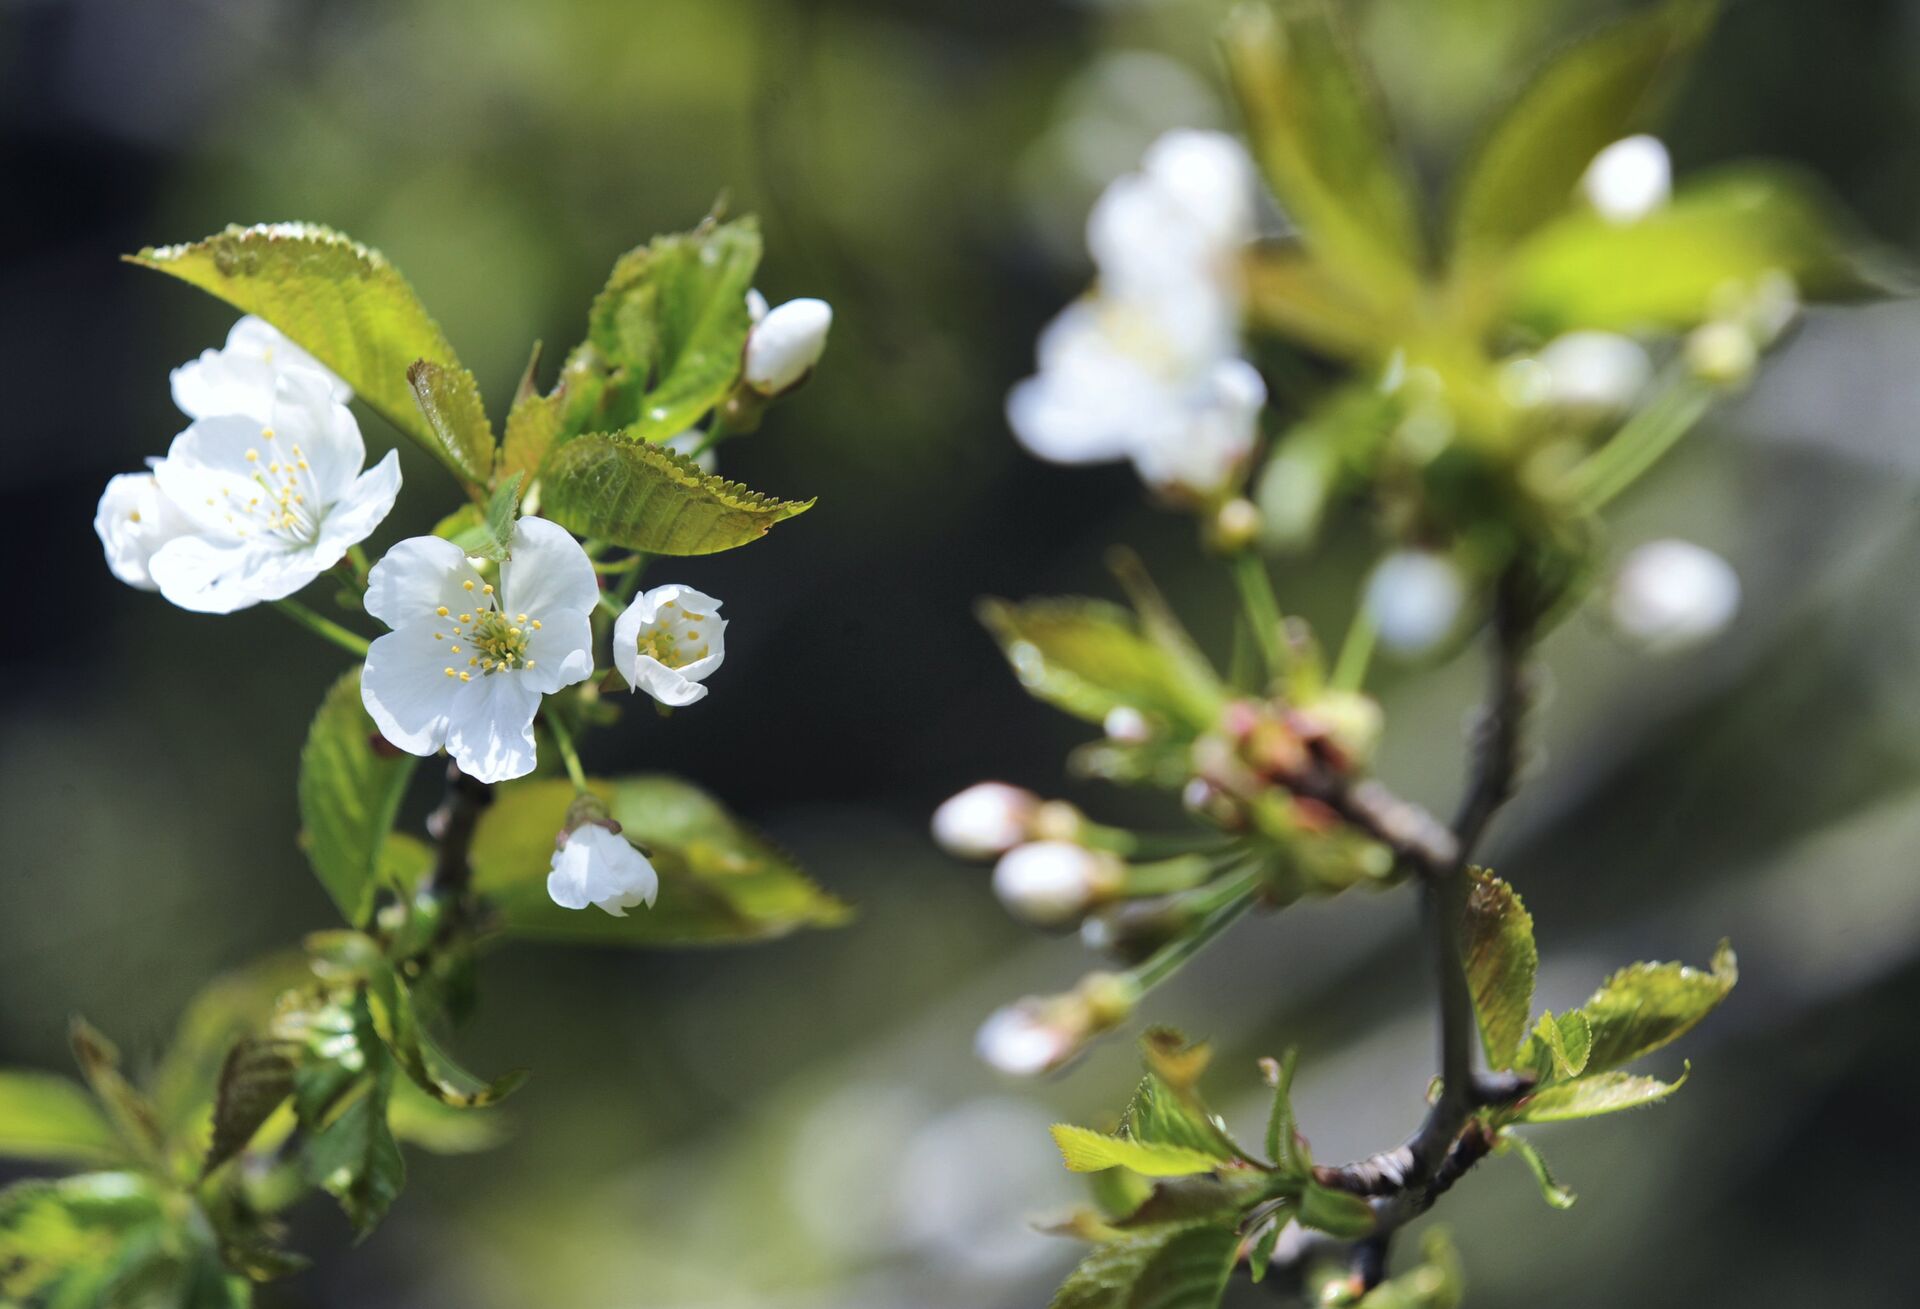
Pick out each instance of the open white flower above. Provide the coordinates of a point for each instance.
(785, 343)
(1629, 179)
(668, 642)
(133, 521)
(268, 504)
(596, 865)
(466, 663)
(241, 377)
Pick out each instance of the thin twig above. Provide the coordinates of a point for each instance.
(452, 825)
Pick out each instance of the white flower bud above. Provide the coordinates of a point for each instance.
(1669, 595)
(1600, 372)
(1414, 598)
(756, 305)
(1022, 1040)
(985, 821)
(1051, 883)
(1126, 725)
(1722, 353)
(1629, 179)
(596, 865)
(785, 345)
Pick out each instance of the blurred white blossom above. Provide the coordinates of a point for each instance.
(1597, 372)
(1052, 883)
(1669, 595)
(985, 820)
(1414, 598)
(1629, 179)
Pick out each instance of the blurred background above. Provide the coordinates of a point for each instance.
(803, 1124)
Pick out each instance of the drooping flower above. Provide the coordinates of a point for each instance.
(785, 343)
(985, 821)
(466, 663)
(1669, 595)
(133, 521)
(594, 865)
(268, 505)
(1629, 179)
(668, 642)
(240, 378)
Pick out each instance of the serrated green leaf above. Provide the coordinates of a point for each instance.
(673, 321)
(1559, 1048)
(1727, 228)
(429, 1066)
(646, 497)
(1497, 944)
(1089, 657)
(1088, 1152)
(1641, 1008)
(1318, 132)
(232, 1006)
(1174, 1268)
(1337, 1213)
(353, 1156)
(51, 1119)
(1594, 92)
(128, 1109)
(501, 508)
(1166, 1115)
(349, 795)
(719, 882)
(537, 423)
(449, 399)
(1284, 1145)
(338, 1046)
(255, 1080)
(340, 301)
(1551, 1191)
(1590, 1097)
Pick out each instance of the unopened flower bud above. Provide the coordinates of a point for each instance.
(1125, 725)
(1053, 883)
(1669, 595)
(1415, 598)
(985, 821)
(784, 346)
(593, 864)
(1629, 179)
(1594, 372)
(1130, 930)
(1722, 353)
(1235, 526)
(1042, 1033)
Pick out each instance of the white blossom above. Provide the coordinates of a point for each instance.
(1021, 1040)
(1126, 725)
(133, 521)
(985, 821)
(1629, 179)
(268, 504)
(466, 663)
(1052, 883)
(1414, 598)
(668, 642)
(1601, 372)
(786, 343)
(596, 865)
(240, 378)
(1671, 594)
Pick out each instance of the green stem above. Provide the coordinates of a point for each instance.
(563, 740)
(1356, 653)
(1639, 444)
(1222, 905)
(325, 628)
(1262, 609)
(716, 433)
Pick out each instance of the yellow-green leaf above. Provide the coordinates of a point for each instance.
(1497, 943)
(1641, 1008)
(349, 794)
(1089, 658)
(49, 1119)
(645, 497)
(1088, 1151)
(449, 400)
(1589, 1097)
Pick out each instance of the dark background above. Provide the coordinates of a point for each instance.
(803, 1124)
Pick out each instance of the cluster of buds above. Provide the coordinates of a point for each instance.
(1046, 872)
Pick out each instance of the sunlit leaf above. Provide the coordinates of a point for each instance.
(1590, 1097)
(1497, 942)
(52, 1119)
(130, 1111)
(1284, 1144)
(1088, 1152)
(1171, 1268)
(449, 399)
(349, 794)
(76, 1241)
(646, 497)
(353, 1156)
(1089, 658)
(256, 1079)
(1641, 1008)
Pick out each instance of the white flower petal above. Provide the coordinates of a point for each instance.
(222, 577)
(1670, 595)
(133, 521)
(306, 416)
(785, 345)
(600, 867)
(406, 690)
(490, 727)
(240, 378)
(416, 577)
(677, 621)
(548, 571)
(1415, 599)
(561, 651)
(364, 507)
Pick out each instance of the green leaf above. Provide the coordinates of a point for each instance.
(537, 423)
(449, 400)
(1089, 658)
(338, 1047)
(719, 882)
(1550, 1189)
(130, 1112)
(1728, 228)
(1337, 1213)
(646, 497)
(349, 795)
(1284, 1146)
(1291, 292)
(1260, 1254)
(1641, 1008)
(1173, 1268)
(338, 300)
(673, 319)
(501, 509)
(431, 1068)
(1590, 1097)
(1166, 1115)
(1319, 133)
(417, 1118)
(66, 1243)
(1182, 1201)
(232, 1006)
(1559, 1048)
(1497, 943)
(1088, 1152)
(353, 1156)
(255, 1080)
(51, 1119)
(1596, 91)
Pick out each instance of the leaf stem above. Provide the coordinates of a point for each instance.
(563, 741)
(1639, 443)
(325, 628)
(1356, 652)
(1262, 609)
(1222, 905)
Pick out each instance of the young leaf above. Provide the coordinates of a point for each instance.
(1337, 1213)
(1559, 1048)
(449, 400)
(348, 797)
(673, 318)
(1284, 1146)
(645, 497)
(537, 423)
(338, 300)
(416, 1118)
(428, 1066)
(1260, 1253)
(1641, 1008)
(1291, 292)
(501, 508)
(353, 1155)
(1318, 131)
(1550, 1190)
(131, 1113)
(1166, 1115)
(49, 1119)
(1591, 94)
(1497, 942)
(1182, 1201)
(76, 1241)
(232, 1006)
(256, 1079)
(1089, 658)
(1170, 1268)
(1088, 1152)
(1589, 1097)
(718, 881)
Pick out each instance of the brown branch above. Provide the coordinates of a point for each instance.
(452, 825)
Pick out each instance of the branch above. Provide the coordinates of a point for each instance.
(452, 825)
